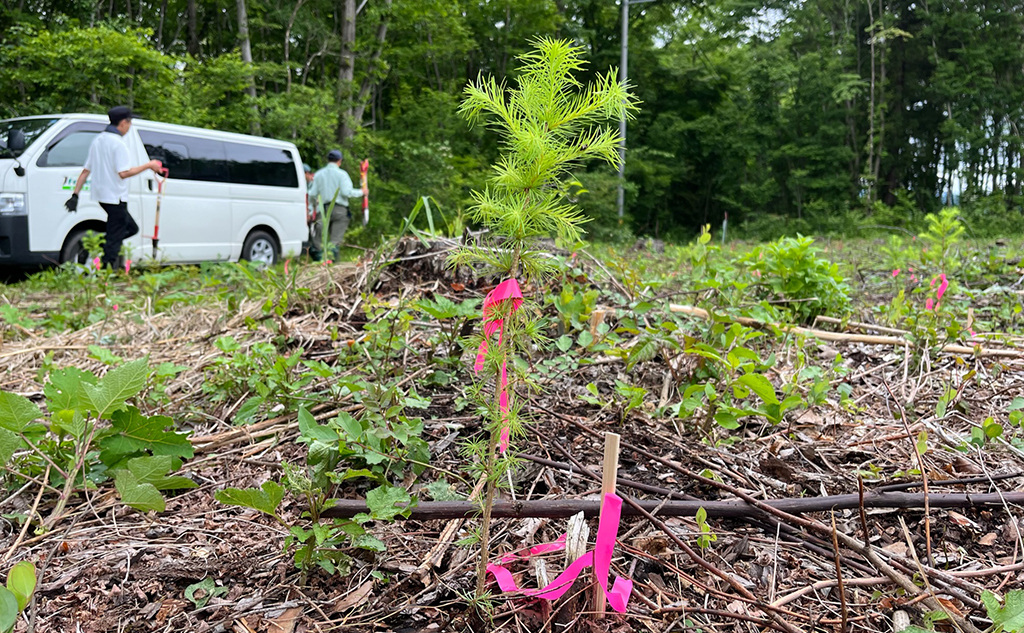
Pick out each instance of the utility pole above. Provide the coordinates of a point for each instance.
(624, 78)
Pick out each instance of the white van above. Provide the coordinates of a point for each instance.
(228, 196)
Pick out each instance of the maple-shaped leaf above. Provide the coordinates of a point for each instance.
(141, 482)
(17, 412)
(1009, 618)
(141, 496)
(382, 502)
(153, 470)
(9, 443)
(65, 390)
(114, 389)
(134, 432)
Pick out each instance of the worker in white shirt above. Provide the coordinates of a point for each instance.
(109, 165)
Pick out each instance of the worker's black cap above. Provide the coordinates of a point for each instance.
(333, 155)
(118, 114)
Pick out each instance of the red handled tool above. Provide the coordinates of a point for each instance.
(159, 198)
(363, 168)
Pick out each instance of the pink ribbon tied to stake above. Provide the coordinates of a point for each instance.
(507, 290)
(600, 558)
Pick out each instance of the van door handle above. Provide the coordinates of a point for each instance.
(150, 183)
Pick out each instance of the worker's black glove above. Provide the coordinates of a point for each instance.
(72, 203)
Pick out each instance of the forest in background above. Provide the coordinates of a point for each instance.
(821, 116)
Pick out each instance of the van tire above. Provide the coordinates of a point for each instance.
(73, 250)
(261, 247)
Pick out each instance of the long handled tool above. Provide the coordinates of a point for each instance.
(159, 198)
(363, 168)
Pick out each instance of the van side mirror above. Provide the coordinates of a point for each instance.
(16, 140)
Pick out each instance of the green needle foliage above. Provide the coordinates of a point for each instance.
(549, 124)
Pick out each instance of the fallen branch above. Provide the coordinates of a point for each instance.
(561, 508)
(847, 337)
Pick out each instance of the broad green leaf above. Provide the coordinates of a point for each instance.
(441, 490)
(370, 543)
(168, 370)
(353, 428)
(265, 500)
(9, 443)
(922, 442)
(761, 386)
(134, 432)
(141, 496)
(248, 410)
(439, 308)
(563, 343)
(65, 389)
(381, 502)
(153, 470)
(209, 589)
(21, 581)
(643, 307)
(8, 609)
(585, 338)
(311, 431)
(114, 389)
(68, 422)
(1005, 618)
(726, 420)
(17, 412)
(645, 349)
(1017, 404)
(104, 355)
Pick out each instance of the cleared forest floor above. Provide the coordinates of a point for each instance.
(233, 357)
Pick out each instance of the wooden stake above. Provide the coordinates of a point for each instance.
(610, 469)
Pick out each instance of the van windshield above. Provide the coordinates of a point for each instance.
(31, 127)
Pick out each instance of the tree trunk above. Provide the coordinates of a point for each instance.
(160, 26)
(288, 45)
(193, 30)
(369, 81)
(871, 111)
(243, 36)
(346, 69)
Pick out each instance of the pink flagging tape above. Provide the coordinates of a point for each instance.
(536, 550)
(507, 290)
(600, 557)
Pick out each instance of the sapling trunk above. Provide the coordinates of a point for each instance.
(492, 445)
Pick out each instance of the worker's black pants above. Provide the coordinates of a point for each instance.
(120, 226)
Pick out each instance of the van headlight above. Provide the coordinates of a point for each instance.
(12, 204)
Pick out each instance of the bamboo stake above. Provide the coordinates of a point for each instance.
(609, 472)
(869, 339)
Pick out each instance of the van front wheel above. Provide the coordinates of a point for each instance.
(260, 247)
(74, 250)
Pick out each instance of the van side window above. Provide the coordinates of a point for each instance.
(187, 157)
(70, 148)
(255, 165)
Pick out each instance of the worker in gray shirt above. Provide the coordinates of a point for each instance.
(332, 184)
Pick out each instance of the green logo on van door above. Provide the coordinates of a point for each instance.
(70, 182)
